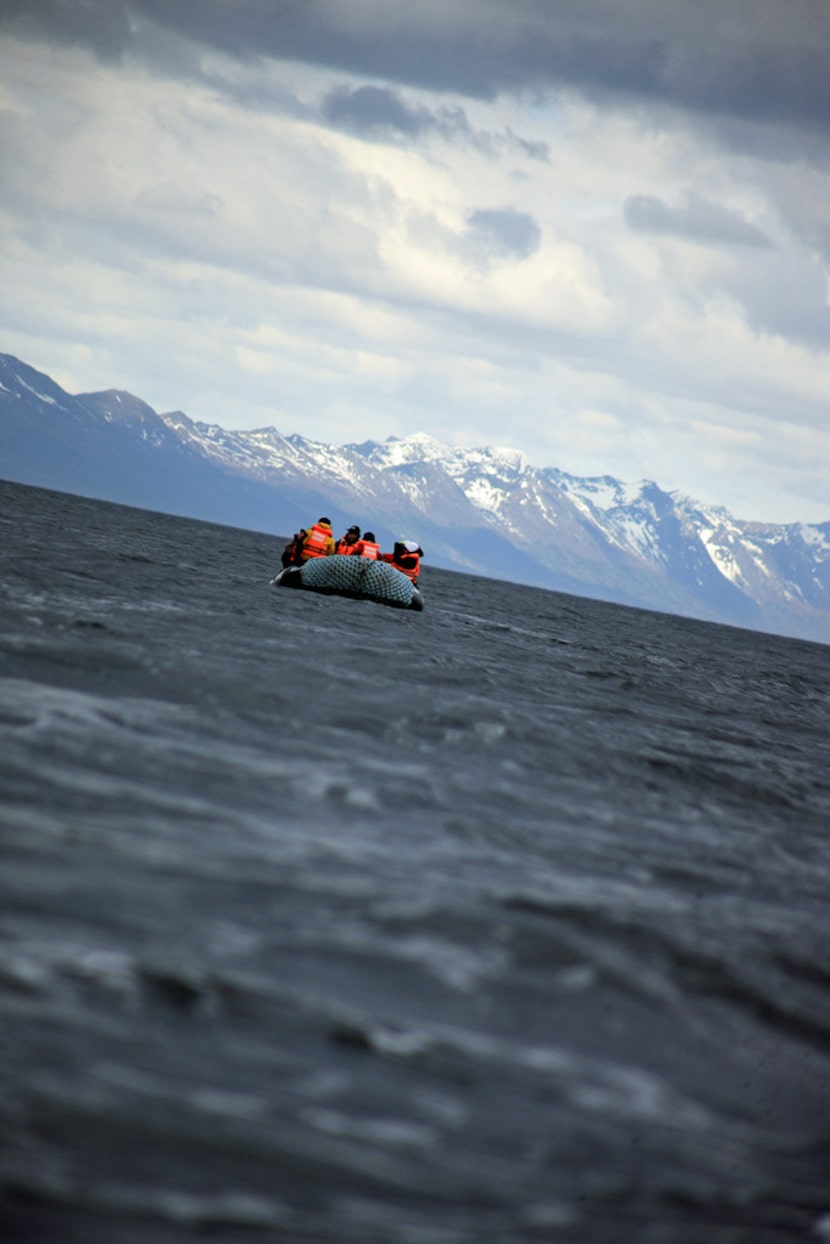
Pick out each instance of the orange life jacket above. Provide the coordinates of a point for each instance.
(345, 546)
(411, 572)
(316, 541)
(366, 548)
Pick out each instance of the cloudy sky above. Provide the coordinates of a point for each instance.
(597, 231)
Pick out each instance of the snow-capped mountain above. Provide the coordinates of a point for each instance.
(485, 510)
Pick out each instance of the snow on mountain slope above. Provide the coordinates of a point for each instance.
(485, 475)
(629, 514)
(633, 531)
(397, 451)
(258, 452)
(124, 411)
(775, 565)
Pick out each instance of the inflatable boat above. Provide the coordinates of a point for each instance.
(359, 577)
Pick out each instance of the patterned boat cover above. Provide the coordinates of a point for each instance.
(359, 576)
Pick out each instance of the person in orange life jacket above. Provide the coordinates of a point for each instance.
(406, 557)
(367, 547)
(291, 552)
(346, 543)
(319, 542)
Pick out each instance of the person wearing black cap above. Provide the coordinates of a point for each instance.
(346, 543)
(367, 547)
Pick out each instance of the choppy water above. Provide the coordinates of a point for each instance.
(320, 921)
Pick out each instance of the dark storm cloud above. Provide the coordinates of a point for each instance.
(371, 108)
(763, 61)
(505, 231)
(378, 112)
(697, 220)
(100, 26)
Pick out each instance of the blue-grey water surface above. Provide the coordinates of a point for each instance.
(326, 922)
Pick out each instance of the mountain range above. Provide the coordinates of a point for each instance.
(485, 511)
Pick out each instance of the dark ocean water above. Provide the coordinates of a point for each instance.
(322, 921)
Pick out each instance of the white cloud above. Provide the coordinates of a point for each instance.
(609, 289)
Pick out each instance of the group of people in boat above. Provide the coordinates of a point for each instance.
(318, 541)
